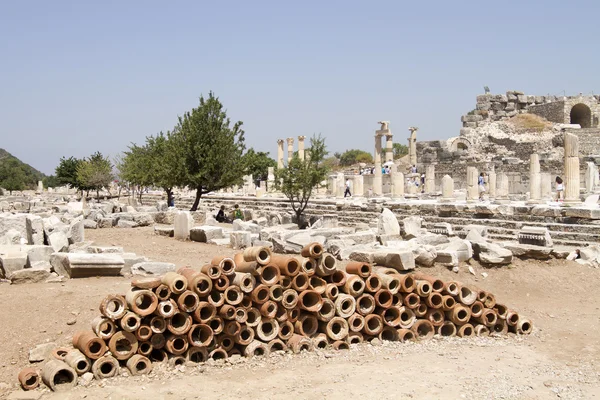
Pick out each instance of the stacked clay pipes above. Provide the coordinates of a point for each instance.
(258, 302)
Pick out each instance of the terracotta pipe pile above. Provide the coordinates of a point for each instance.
(258, 302)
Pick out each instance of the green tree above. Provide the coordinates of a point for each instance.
(165, 164)
(50, 181)
(351, 157)
(94, 173)
(211, 149)
(258, 163)
(133, 167)
(298, 180)
(66, 172)
(14, 178)
(400, 150)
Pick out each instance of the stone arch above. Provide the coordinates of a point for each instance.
(582, 115)
(460, 144)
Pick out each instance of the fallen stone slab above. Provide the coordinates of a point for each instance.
(130, 260)
(221, 242)
(335, 247)
(463, 248)
(526, 251)
(304, 238)
(41, 352)
(17, 222)
(107, 222)
(167, 231)
(431, 239)
(261, 243)
(412, 227)
(387, 223)
(90, 224)
(35, 229)
(80, 265)
(447, 258)
(240, 240)
(152, 268)
(425, 255)
(585, 213)
(442, 228)
(143, 219)
(29, 275)
(76, 232)
(123, 223)
(533, 235)
(398, 260)
(364, 237)
(205, 233)
(491, 253)
(362, 255)
(182, 225)
(105, 249)
(37, 253)
(11, 262)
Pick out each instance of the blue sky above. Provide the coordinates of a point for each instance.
(77, 77)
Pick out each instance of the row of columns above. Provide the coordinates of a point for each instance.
(290, 150)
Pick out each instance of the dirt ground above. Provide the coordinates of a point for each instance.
(560, 359)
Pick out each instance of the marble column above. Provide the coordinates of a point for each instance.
(571, 178)
(358, 186)
(341, 182)
(40, 187)
(377, 176)
(301, 147)
(389, 148)
(412, 146)
(397, 184)
(447, 189)
(332, 185)
(535, 188)
(591, 177)
(271, 179)
(492, 184)
(280, 153)
(546, 186)
(290, 148)
(430, 179)
(472, 189)
(502, 188)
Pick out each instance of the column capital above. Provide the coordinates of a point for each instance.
(301, 138)
(290, 140)
(413, 129)
(280, 141)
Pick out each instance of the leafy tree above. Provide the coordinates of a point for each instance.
(66, 172)
(94, 173)
(211, 149)
(400, 150)
(134, 167)
(16, 178)
(351, 157)
(165, 164)
(298, 180)
(337, 155)
(258, 163)
(16, 175)
(50, 181)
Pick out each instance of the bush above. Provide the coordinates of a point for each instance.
(530, 122)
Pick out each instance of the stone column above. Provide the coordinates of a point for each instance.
(472, 189)
(341, 182)
(502, 188)
(535, 189)
(591, 176)
(412, 146)
(332, 185)
(492, 184)
(546, 186)
(377, 176)
(290, 148)
(397, 184)
(571, 178)
(280, 153)
(358, 186)
(447, 189)
(40, 187)
(389, 148)
(301, 147)
(271, 179)
(430, 179)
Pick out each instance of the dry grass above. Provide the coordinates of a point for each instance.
(530, 122)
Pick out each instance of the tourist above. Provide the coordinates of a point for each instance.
(413, 169)
(220, 217)
(481, 186)
(560, 188)
(237, 213)
(347, 192)
(422, 183)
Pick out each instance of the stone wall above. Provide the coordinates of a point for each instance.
(553, 112)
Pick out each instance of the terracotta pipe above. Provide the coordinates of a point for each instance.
(390, 316)
(320, 341)
(354, 286)
(293, 315)
(286, 282)
(286, 330)
(288, 266)
(255, 349)
(268, 309)
(175, 361)
(435, 316)
(310, 300)
(326, 266)
(298, 343)
(423, 329)
(327, 311)
(466, 296)
(233, 295)
(421, 311)
(145, 348)
(345, 305)
(103, 327)
(158, 355)
(312, 250)
(197, 281)
(447, 329)
(269, 275)
(204, 312)
(200, 335)
(411, 300)
(246, 302)
(227, 264)
(365, 304)
(407, 318)
(448, 302)
(390, 282)
(290, 299)
(180, 323)
(481, 296)
(372, 283)
(306, 325)
(166, 308)
(89, 344)
(276, 345)
(187, 301)
(476, 309)
(300, 282)
(423, 288)
(176, 344)
(488, 317)
(451, 288)
(465, 330)
(356, 322)
(123, 345)
(253, 317)
(221, 284)
(490, 301)
(232, 328)
(437, 285)
(340, 345)
(388, 334)
(197, 354)
(482, 330)
(501, 310)
(460, 314)
(143, 333)
(407, 283)
(146, 282)
(113, 307)
(234, 352)
(163, 293)
(308, 266)
(358, 268)
(500, 328)
(216, 298)
(384, 298)
(105, 367)
(336, 328)
(213, 272)
(246, 267)
(244, 281)
(523, 327)
(29, 378)
(281, 314)
(158, 341)
(267, 329)
(405, 335)
(176, 283)
(331, 291)
(218, 354)
(338, 278)
(241, 315)
(434, 300)
(373, 324)
(260, 294)
(158, 324)
(60, 353)
(354, 338)
(139, 365)
(259, 254)
(227, 312)
(512, 318)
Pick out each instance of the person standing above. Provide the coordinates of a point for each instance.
(347, 192)
(481, 186)
(560, 188)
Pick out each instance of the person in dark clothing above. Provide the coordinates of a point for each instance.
(220, 217)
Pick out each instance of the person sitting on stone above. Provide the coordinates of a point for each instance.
(559, 188)
(237, 213)
(220, 217)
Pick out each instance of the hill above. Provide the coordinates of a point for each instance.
(15, 174)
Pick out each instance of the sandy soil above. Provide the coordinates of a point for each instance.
(560, 359)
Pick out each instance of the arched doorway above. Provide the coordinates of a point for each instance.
(460, 144)
(582, 115)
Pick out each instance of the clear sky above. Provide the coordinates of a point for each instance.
(82, 76)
